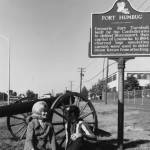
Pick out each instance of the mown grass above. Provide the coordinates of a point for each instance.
(136, 129)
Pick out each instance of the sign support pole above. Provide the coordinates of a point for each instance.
(121, 67)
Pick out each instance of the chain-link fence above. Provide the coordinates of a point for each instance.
(140, 97)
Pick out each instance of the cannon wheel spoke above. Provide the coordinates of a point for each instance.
(17, 125)
(58, 118)
(60, 131)
(63, 140)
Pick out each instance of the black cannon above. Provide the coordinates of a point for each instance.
(18, 112)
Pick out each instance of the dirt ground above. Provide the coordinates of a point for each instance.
(136, 129)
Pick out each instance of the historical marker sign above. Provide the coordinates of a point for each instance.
(122, 31)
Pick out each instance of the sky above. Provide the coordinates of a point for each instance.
(48, 41)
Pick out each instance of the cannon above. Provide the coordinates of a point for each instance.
(18, 112)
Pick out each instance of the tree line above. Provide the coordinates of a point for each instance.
(130, 84)
(14, 95)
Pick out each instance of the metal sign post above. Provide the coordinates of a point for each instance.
(120, 34)
(121, 66)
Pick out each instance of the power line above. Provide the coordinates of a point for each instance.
(142, 4)
(147, 7)
(93, 77)
(89, 64)
(98, 73)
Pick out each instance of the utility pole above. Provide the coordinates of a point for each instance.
(52, 92)
(71, 84)
(106, 81)
(81, 77)
(103, 67)
(104, 94)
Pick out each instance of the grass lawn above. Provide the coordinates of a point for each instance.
(136, 125)
(136, 128)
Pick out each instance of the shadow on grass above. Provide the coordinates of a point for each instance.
(6, 138)
(106, 143)
(136, 143)
(111, 144)
(100, 132)
(104, 146)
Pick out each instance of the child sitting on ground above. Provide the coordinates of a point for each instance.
(77, 130)
(40, 133)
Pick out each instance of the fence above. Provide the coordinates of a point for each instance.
(138, 97)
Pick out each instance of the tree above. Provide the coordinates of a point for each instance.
(100, 86)
(97, 89)
(31, 94)
(147, 86)
(12, 93)
(3, 96)
(84, 92)
(131, 84)
(21, 95)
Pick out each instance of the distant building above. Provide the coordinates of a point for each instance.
(143, 78)
(13, 98)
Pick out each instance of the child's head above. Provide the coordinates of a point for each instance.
(40, 110)
(73, 112)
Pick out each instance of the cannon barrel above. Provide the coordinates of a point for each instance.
(22, 107)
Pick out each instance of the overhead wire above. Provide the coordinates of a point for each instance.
(89, 64)
(142, 4)
(147, 7)
(98, 73)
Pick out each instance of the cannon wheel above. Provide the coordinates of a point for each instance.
(17, 124)
(58, 118)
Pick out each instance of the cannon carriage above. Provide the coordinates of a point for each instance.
(18, 112)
